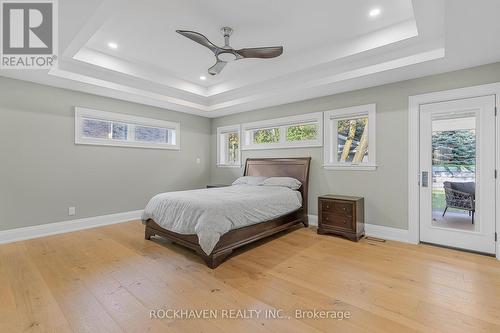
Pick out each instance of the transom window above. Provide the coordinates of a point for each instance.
(114, 129)
(266, 135)
(295, 131)
(228, 146)
(303, 132)
(350, 138)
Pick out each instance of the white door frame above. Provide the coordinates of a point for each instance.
(414, 150)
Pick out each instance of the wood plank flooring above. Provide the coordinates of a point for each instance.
(108, 279)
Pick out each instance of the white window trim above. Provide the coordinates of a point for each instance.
(227, 129)
(81, 112)
(330, 146)
(283, 123)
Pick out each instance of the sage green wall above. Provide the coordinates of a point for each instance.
(42, 171)
(385, 190)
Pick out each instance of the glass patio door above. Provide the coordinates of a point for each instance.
(457, 174)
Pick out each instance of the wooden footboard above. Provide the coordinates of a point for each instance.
(233, 239)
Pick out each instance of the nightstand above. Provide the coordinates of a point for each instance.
(341, 215)
(217, 185)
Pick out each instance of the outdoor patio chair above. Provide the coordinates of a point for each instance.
(461, 195)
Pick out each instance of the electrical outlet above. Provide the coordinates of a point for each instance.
(72, 211)
(198, 160)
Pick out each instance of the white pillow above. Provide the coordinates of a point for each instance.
(290, 182)
(249, 180)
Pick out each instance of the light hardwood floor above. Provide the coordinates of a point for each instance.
(108, 279)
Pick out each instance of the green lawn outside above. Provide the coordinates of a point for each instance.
(438, 199)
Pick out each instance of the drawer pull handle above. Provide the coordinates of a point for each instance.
(327, 206)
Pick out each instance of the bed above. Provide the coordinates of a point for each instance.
(297, 168)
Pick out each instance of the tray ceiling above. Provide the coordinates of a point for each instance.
(329, 46)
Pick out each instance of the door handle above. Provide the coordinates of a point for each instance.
(425, 179)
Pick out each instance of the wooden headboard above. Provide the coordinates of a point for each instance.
(295, 167)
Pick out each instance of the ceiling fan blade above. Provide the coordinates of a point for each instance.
(261, 52)
(217, 68)
(199, 38)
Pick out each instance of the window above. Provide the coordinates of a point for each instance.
(228, 146)
(114, 129)
(302, 132)
(266, 135)
(350, 138)
(295, 131)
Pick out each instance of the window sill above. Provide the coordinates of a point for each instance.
(350, 167)
(229, 166)
(116, 143)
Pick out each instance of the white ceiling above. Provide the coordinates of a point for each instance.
(152, 40)
(329, 46)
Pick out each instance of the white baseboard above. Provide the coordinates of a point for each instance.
(18, 234)
(374, 230)
(379, 231)
(313, 220)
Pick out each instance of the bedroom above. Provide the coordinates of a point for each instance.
(124, 124)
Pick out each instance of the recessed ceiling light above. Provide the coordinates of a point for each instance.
(112, 45)
(203, 78)
(374, 12)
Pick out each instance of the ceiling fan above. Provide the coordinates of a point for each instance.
(226, 53)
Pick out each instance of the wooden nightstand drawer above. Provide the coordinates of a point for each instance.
(338, 221)
(341, 215)
(337, 207)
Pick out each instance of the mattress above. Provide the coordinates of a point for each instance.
(210, 213)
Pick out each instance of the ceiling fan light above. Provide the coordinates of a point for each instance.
(226, 56)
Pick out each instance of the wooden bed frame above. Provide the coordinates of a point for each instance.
(297, 168)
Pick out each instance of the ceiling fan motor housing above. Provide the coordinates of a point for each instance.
(228, 55)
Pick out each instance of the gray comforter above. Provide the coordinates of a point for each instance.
(210, 213)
